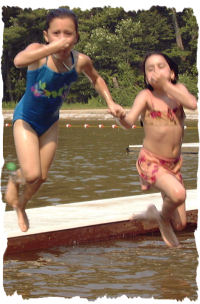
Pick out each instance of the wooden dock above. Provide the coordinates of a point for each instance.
(187, 148)
(86, 222)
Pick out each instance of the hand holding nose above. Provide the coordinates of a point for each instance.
(64, 44)
(158, 80)
(60, 44)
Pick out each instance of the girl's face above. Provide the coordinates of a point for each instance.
(62, 28)
(157, 64)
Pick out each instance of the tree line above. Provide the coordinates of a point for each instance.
(116, 41)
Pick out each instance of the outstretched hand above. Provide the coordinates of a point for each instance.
(117, 111)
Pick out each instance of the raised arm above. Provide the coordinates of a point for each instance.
(36, 51)
(180, 93)
(174, 91)
(85, 66)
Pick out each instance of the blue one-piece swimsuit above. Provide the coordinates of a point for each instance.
(45, 92)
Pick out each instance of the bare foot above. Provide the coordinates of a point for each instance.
(22, 219)
(167, 233)
(12, 198)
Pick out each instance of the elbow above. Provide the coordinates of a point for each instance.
(17, 63)
(194, 107)
(194, 104)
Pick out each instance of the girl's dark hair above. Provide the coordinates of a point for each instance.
(173, 67)
(61, 13)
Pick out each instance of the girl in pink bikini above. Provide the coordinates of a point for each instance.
(161, 108)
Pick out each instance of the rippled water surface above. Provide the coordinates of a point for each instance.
(143, 267)
(92, 163)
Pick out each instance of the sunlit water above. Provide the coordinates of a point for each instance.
(92, 163)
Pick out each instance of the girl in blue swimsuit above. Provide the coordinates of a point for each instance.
(52, 67)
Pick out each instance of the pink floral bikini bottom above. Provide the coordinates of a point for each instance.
(150, 166)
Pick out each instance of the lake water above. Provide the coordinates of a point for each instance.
(92, 163)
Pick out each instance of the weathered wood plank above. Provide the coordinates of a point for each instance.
(79, 223)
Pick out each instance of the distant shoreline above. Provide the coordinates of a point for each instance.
(92, 114)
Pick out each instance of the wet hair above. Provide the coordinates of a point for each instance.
(61, 13)
(173, 67)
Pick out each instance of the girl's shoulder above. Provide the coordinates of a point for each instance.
(142, 99)
(82, 58)
(144, 94)
(82, 61)
(34, 46)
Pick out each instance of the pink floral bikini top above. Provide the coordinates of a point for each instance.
(174, 116)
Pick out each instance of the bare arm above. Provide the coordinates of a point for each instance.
(36, 51)
(85, 65)
(138, 107)
(180, 93)
(175, 91)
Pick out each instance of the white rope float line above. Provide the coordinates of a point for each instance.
(100, 126)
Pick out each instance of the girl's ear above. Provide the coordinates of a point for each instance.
(45, 36)
(172, 75)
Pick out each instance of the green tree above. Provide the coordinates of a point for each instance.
(115, 40)
(17, 36)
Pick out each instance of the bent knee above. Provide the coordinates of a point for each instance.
(32, 177)
(179, 196)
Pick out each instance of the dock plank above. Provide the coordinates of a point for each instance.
(67, 224)
(186, 148)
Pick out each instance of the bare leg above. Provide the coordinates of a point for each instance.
(173, 194)
(35, 157)
(47, 145)
(12, 198)
(153, 215)
(178, 217)
(12, 192)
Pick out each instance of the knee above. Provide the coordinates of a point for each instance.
(32, 177)
(179, 196)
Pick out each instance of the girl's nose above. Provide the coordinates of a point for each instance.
(62, 35)
(156, 69)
